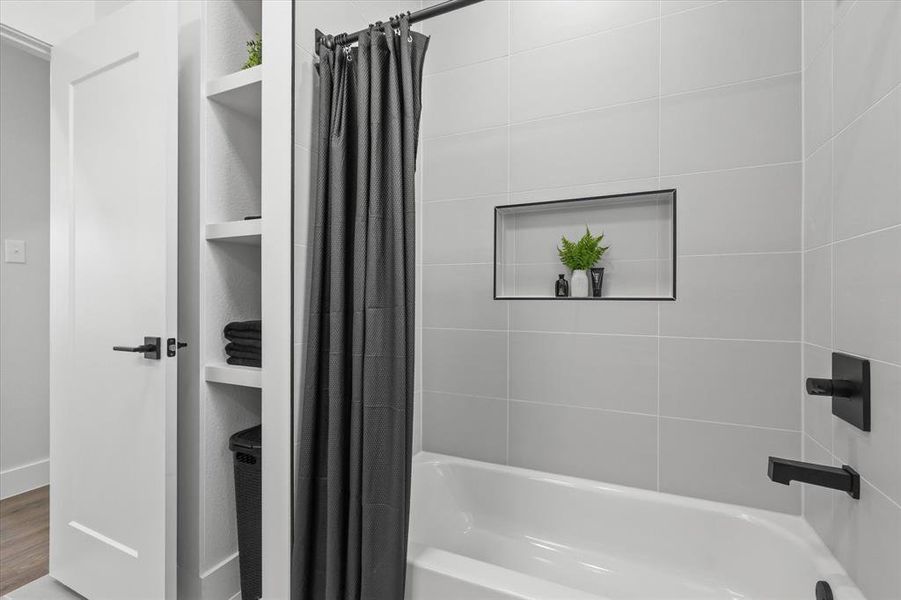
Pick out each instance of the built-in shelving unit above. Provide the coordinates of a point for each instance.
(639, 231)
(237, 232)
(240, 91)
(244, 274)
(251, 377)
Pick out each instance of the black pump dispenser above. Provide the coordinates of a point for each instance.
(561, 288)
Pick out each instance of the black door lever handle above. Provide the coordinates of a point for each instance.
(150, 348)
(144, 348)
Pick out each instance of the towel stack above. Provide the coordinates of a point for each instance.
(245, 345)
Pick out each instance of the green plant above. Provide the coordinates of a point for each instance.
(583, 254)
(254, 52)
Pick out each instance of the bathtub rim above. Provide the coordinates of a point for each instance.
(792, 528)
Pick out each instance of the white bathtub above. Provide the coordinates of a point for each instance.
(484, 531)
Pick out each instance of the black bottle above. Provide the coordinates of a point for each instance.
(561, 288)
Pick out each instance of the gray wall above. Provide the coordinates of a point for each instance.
(852, 273)
(528, 101)
(24, 293)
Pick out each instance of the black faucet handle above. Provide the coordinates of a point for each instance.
(832, 387)
(819, 387)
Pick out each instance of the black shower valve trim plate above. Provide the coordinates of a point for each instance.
(849, 388)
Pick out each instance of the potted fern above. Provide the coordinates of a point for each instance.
(580, 256)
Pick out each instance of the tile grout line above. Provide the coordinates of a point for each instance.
(508, 149)
(835, 458)
(803, 232)
(544, 46)
(616, 105)
(660, 185)
(610, 182)
(650, 415)
(615, 334)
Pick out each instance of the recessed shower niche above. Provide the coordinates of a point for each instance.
(639, 232)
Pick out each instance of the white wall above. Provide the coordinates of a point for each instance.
(50, 21)
(529, 101)
(24, 293)
(852, 273)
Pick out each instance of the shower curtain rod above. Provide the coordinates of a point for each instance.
(420, 15)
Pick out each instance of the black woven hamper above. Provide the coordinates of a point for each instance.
(247, 447)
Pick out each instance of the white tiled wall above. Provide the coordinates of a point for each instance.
(541, 100)
(533, 100)
(852, 272)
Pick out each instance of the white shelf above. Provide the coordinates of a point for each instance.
(236, 232)
(239, 91)
(234, 375)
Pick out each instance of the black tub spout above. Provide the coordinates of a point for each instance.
(784, 471)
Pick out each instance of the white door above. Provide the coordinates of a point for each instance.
(113, 282)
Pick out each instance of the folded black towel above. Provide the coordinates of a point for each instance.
(237, 351)
(244, 362)
(245, 338)
(244, 326)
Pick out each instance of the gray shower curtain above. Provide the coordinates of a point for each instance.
(353, 464)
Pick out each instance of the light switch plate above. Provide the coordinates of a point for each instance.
(14, 251)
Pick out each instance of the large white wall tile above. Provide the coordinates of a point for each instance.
(818, 101)
(584, 317)
(818, 197)
(868, 170)
(668, 7)
(602, 445)
(589, 190)
(470, 164)
(481, 88)
(463, 37)
(598, 371)
(817, 26)
(745, 210)
(868, 541)
(630, 229)
(328, 16)
(460, 231)
(461, 296)
(595, 75)
(818, 409)
(867, 57)
(867, 293)
(379, 10)
(730, 42)
(540, 22)
(601, 145)
(818, 296)
(417, 422)
(703, 379)
(465, 362)
(465, 426)
(727, 463)
(818, 501)
(876, 455)
(735, 126)
(739, 296)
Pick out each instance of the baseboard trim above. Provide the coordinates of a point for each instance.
(24, 478)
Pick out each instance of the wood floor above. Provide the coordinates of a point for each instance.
(24, 538)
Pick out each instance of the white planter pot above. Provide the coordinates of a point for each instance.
(578, 285)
